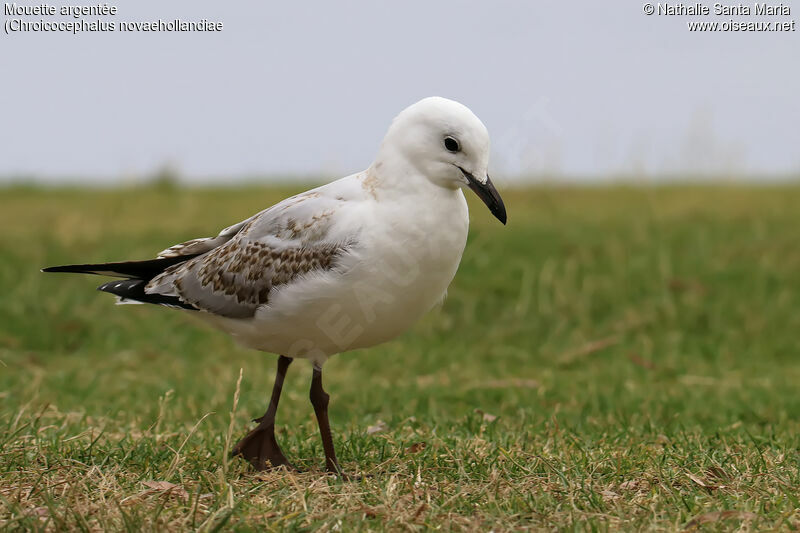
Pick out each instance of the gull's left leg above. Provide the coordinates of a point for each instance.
(259, 447)
(319, 399)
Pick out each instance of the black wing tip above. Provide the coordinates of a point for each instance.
(146, 269)
(123, 288)
(70, 269)
(133, 289)
(53, 269)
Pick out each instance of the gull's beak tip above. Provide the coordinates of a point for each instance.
(488, 194)
(497, 206)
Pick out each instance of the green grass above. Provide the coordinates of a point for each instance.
(639, 347)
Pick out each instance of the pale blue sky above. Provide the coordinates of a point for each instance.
(580, 88)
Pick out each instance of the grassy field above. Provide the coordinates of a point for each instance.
(614, 358)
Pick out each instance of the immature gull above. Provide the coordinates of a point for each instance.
(347, 265)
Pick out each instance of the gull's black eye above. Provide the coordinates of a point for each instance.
(451, 144)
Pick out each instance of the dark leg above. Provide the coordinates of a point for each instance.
(319, 399)
(260, 446)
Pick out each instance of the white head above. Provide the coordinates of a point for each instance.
(446, 143)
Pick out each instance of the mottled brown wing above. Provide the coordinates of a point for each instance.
(234, 279)
(238, 271)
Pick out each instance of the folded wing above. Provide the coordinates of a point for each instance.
(292, 239)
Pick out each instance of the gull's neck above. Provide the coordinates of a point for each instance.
(393, 172)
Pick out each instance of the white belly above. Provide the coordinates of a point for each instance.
(399, 270)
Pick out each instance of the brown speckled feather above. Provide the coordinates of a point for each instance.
(236, 278)
(238, 270)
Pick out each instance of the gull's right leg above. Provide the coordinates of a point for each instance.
(260, 446)
(319, 399)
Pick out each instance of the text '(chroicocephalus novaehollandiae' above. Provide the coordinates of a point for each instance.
(347, 265)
